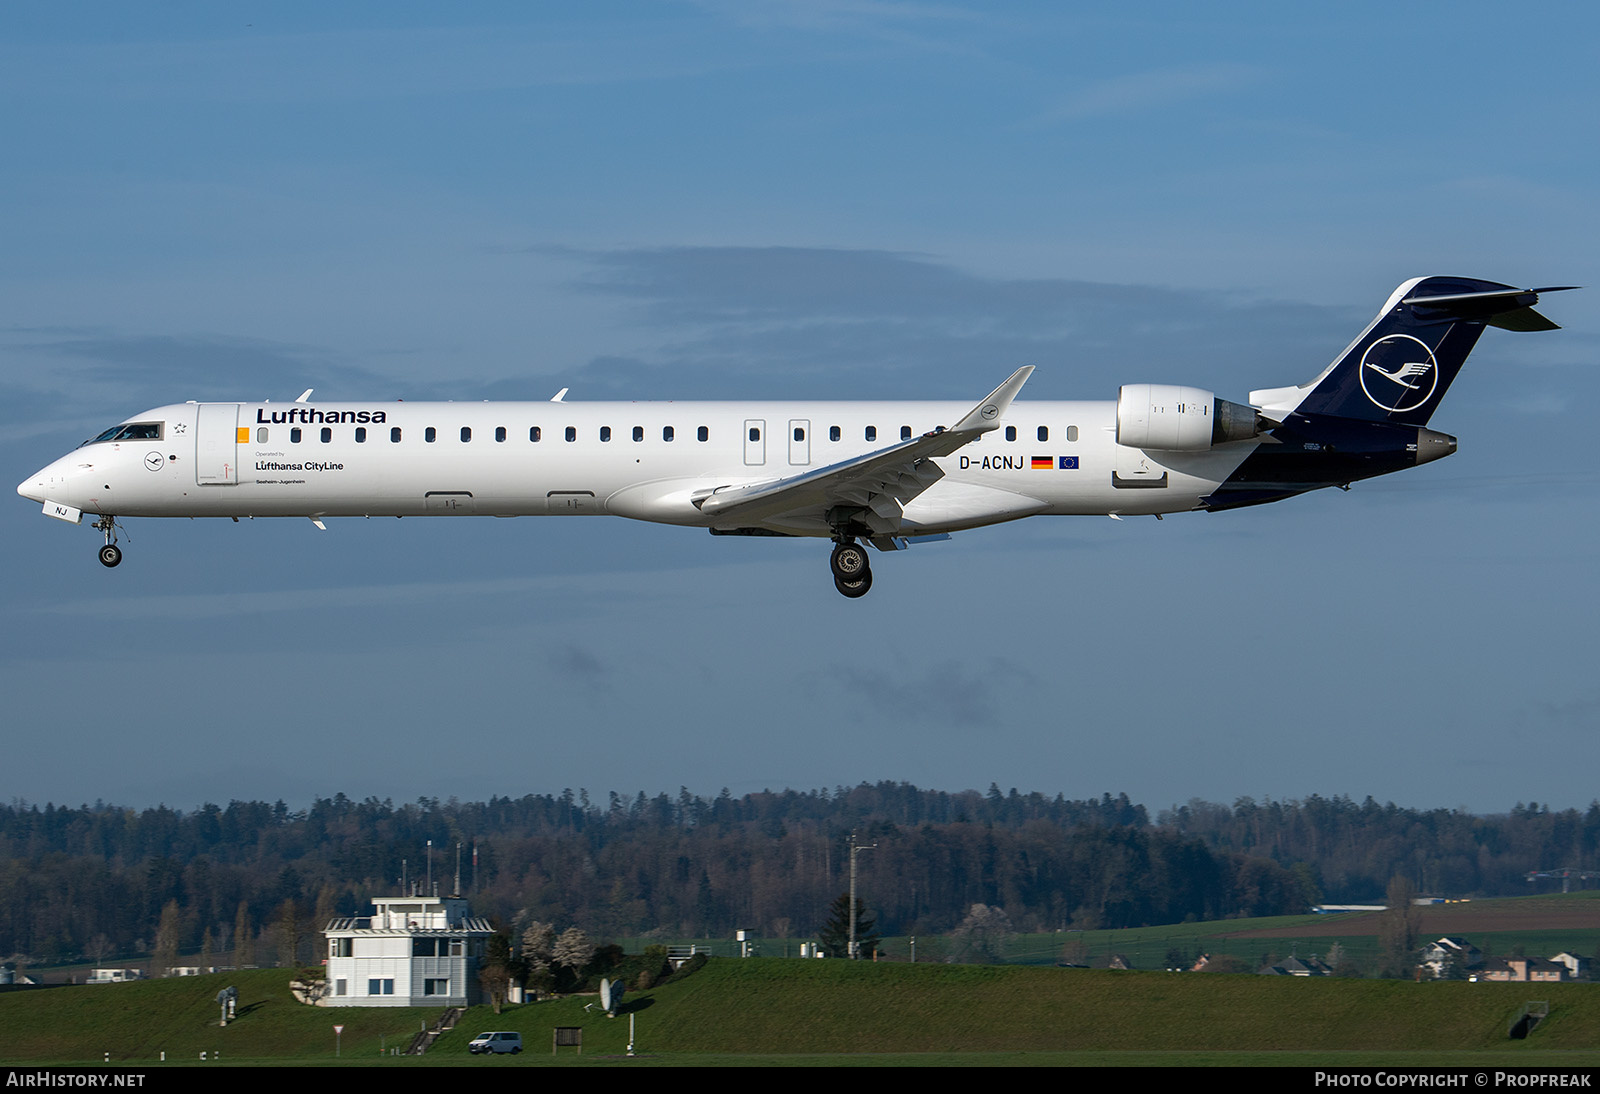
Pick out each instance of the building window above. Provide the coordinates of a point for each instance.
(341, 986)
(376, 986)
(340, 947)
(436, 986)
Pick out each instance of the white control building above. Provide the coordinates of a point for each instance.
(413, 951)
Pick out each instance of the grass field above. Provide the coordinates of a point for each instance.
(774, 1012)
(802, 1013)
(1538, 925)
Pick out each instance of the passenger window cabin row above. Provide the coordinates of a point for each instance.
(703, 433)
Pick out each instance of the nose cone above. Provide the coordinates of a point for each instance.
(32, 487)
(51, 482)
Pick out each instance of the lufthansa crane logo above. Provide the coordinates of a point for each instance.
(1398, 372)
(989, 412)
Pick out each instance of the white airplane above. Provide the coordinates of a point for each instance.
(885, 473)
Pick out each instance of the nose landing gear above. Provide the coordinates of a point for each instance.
(110, 554)
(852, 572)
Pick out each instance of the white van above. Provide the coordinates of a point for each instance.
(503, 1041)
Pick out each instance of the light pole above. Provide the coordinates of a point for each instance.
(855, 952)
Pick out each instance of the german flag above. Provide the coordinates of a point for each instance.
(1044, 463)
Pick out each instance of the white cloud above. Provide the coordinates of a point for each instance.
(1143, 91)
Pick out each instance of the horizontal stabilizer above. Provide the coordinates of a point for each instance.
(1508, 309)
(1399, 368)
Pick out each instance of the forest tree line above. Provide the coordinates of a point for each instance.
(102, 882)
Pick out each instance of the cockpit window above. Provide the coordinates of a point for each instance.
(132, 431)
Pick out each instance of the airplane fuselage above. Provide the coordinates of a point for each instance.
(644, 460)
(880, 472)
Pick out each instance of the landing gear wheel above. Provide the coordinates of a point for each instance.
(849, 562)
(110, 554)
(854, 589)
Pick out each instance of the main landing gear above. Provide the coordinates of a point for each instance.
(852, 572)
(110, 554)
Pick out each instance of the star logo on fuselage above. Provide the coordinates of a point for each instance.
(1399, 373)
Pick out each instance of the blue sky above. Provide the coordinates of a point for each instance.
(824, 200)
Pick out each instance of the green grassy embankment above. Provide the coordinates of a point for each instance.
(136, 1022)
(770, 1006)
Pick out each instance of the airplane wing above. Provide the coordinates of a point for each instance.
(875, 485)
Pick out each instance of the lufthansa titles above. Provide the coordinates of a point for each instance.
(308, 415)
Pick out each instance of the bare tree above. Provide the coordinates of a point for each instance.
(289, 934)
(166, 955)
(99, 948)
(984, 932)
(244, 938)
(1400, 928)
(494, 974)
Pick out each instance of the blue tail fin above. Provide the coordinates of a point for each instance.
(1402, 364)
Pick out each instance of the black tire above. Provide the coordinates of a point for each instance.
(849, 562)
(515, 1051)
(854, 589)
(110, 555)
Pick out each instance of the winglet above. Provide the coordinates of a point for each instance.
(558, 396)
(987, 414)
(304, 395)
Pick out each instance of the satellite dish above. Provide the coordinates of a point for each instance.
(611, 994)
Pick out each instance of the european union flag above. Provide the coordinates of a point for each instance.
(1069, 463)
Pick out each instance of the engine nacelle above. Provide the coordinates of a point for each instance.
(1183, 419)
